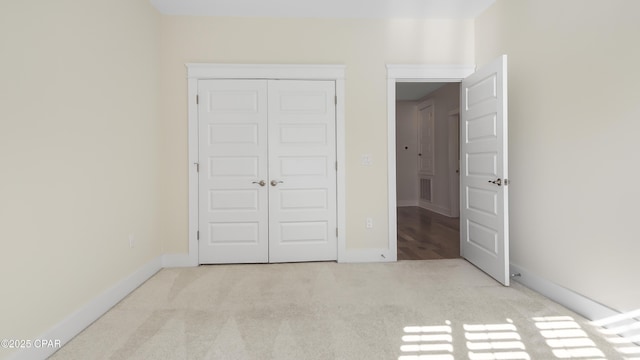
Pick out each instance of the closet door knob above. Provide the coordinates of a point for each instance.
(261, 182)
(275, 182)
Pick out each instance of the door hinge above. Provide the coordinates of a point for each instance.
(197, 99)
(335, 99)
(336, 166)
(336, 232)
(198, 235)
(197, 167)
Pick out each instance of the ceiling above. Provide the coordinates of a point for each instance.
(375, 9)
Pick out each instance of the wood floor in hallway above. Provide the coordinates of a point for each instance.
(425, 235)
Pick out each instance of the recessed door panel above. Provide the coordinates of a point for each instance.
(234, 233)
(482, 237)
(233, 134)
(307, 232)
(303, 166)
(482, 200)
(481, 164)
(307, 102)
(482, 90)
(303, 199)
(299, 134)
(482, 128)
(234, 166)
(233, 101)
(233, 200)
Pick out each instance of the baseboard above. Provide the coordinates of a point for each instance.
(575, 302)
(620, 324)
(179, 260)
(68, 328)
(367, 256)
(435, 208)
(403, 203)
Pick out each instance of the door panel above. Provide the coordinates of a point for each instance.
(302, 157)
(233, 213)
(484, 225)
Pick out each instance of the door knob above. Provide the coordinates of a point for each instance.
(275, 182)
(261, 182)
(497, 182)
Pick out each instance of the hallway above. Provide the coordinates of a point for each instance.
(425, 235)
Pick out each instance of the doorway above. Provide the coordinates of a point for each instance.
(484, 230)
(427, 171)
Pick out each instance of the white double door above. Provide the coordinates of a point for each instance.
(267, 177)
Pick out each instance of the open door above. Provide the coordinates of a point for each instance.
(484, 212)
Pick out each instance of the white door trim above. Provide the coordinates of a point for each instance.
(409, 73)
(200, 71)
(453, 127)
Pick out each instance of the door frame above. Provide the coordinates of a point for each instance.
(453, 127)
(398, 73)
(202, 71)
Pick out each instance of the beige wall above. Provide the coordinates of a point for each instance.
(364, 46)
(78, 154)
(574, 119)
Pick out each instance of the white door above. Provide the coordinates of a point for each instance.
(267, 175)
(233, 207)
(302, 171)
(484, 224)
(426, 138)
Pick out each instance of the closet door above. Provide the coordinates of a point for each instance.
(267, 171)
(302, 171)
(233, 189)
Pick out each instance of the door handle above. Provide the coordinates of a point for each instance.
(276, 182)
(261, 182)
(497, 182)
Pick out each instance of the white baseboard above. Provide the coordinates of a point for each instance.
(71, 326)
(403, 203)
(442, 210)
(367, 256)
(601, 315)
(179, 260)
(620, 324)
(575, 302)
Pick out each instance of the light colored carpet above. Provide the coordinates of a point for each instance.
(434, 310)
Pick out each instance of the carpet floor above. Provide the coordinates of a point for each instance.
(433, 310)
